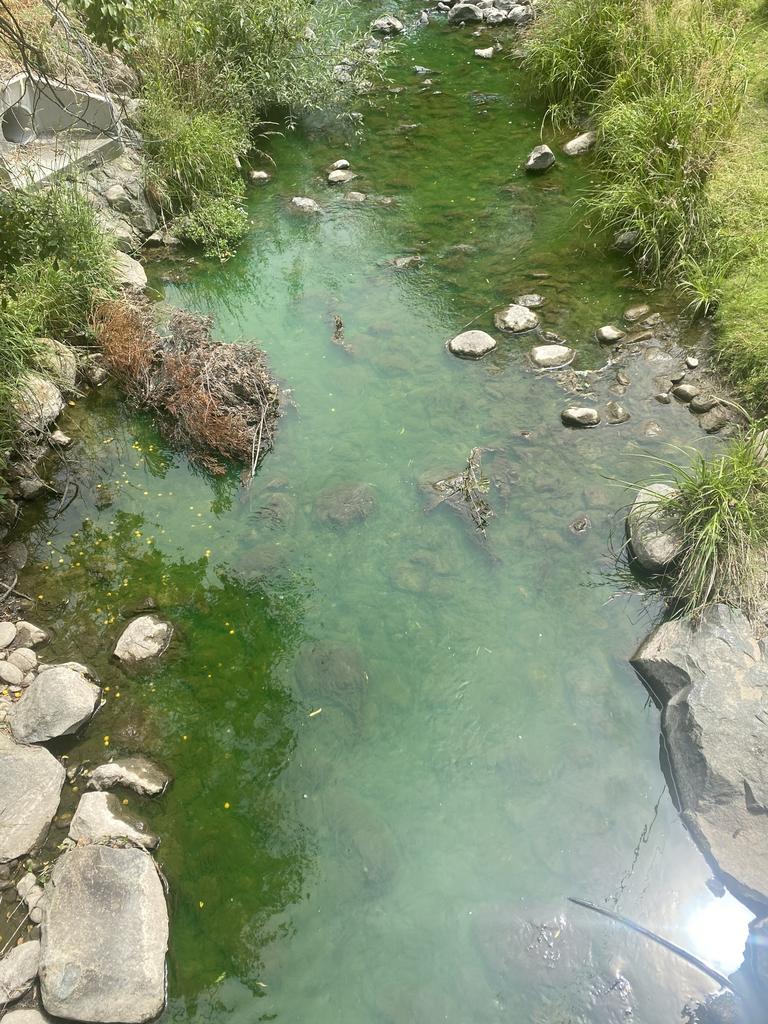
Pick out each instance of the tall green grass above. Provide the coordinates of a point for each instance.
(721, 506)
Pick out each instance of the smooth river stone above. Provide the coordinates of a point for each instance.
(472, 344)
(57, 703)
(552, 356)
(7, 634)
(580, 416)
(31, 787)
(104, 937)
(609, 335)
(581, 144)
(516, 318)
(145, 637)
(341, 177)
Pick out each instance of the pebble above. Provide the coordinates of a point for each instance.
(691, 362)
(339, 165)
(580, 416)
(663, 397)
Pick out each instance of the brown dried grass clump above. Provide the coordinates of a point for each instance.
(218, 401)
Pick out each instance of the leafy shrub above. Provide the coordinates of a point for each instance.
(216, 225)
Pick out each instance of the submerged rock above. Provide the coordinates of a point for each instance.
(341, 177)
(471, 344)
(540, 159)
(104, 937)
(137, 773)
(329, 673)
(609, 335)
(580, 416)
(57, 703)
(485, 53)
(635, 313)
(552, 356)
(100, 816)
(18, 970)
(305, 205)
(145, 637)
(532, 300)
(516, 318)
(32, 779)
(581, 144)
(712, 679)
(616, 413)
(345, 504)
(654, 531)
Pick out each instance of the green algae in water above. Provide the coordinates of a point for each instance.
(379, 832)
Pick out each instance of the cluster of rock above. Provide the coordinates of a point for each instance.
(492, 12)
(97, 920)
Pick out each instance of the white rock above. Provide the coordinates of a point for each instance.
(485, 53)
(355, 197)
(60, 439)
(145, 637)
(516, 318)
(581, 144)
(129, 272)
(100, 816)
(531, 300)
(339, 165)
(471, 344)
(7, 634)
(305, 204)
(388, 25)
(464, 12)
(341, 177)
(260, 177)
(552, 356)
(540, 159)
(609, 335)
(137, 773)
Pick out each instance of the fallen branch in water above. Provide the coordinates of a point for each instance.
(677, 950)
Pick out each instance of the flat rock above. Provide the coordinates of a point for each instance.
(104, 937)
(685, 392)
(654, 532)
(57, 703)
(137, 773)
(580, 416)
(531, 300)
(712, 680)
(38, 403)
(581, 144)
(346, 504)
(540, 159)
(609, 334)
(388, 25)
(341, 177)
(471, 344)
(18, 970)
(305, 204)
(129, 272)
(145, 637)
(464, 12)
(552, 356)
(516, 318)
(100, 816)
(31, 788)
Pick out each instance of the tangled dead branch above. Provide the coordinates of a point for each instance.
(217, 401)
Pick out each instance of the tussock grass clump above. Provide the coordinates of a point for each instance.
(663, 83)
(722, 509)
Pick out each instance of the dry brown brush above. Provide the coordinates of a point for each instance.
(217, 401)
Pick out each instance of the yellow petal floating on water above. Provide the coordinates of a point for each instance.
(201, 904)
(226, 805)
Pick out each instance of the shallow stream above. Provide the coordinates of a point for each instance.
(396, 749)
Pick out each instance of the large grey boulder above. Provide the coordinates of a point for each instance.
(129, 272)
(464, 12)
(137, 773)
(100, 816)
(516, 318)
(56, 703)
(471, 344)
(18, 970)
(654, 531)
(145, 637)
(104, 937)
(38, 403)
(712, 679)
(30, 781)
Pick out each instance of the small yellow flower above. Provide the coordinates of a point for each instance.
(226, 805)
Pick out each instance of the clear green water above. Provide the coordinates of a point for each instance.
(374, 862)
